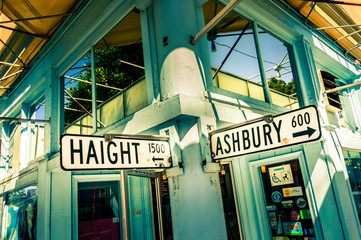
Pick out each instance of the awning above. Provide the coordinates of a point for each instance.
(25, 27)
(338, 20)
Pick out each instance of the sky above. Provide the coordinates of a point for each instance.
(243, 60)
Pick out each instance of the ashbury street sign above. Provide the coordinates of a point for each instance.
(294, 127)
(80, 152)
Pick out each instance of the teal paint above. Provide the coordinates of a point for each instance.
(195, 196)
(296, 75)
(196, 202)
(204, 51)
(44, 205)
(54, 110)
(266, 91)
(178, 65)
(310, 87)
(150, 53)
(140, 208)
(94, 90)
(343, 198)
(61, 206)
(25, 136)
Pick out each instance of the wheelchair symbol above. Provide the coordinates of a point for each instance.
(286, 175)
(275, 179)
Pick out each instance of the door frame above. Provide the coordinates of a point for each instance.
(258, 189)
(93, 178)
(231, 173)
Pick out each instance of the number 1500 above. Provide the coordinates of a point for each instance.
(156, 148)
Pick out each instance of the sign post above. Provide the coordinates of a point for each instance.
(294, 127)
(81, 152)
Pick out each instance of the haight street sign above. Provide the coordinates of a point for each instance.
(81, 152)
(294, 127)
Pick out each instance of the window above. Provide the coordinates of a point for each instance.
(346, 116)
(332, 99)
(338, 103)
(278, 70)
(23, 140)
(106, 204)
(36, 139)
(246, 59)
(118, 67)
(10, 146)
(353, 164)
(19, 219)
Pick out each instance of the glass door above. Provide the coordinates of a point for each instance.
(98, 210)
(146, 190)
(287, 205)
(140, 208)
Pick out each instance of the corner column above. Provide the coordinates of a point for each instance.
(195, 194)
(179, 63)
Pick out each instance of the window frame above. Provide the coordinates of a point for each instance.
(293, 62)
(99, 33)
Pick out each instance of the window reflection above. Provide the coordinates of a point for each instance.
(278, 70)
(118, 67)
(20, 214)
(98, 210)
(237, 56)
(354, 172)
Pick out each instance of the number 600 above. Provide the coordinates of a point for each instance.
(300, 119)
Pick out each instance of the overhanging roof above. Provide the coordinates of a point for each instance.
(338, 20)
(27, 25)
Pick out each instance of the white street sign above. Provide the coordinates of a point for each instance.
(295, 127)
(81, 152)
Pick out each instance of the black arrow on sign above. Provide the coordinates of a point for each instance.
(157, 159)
(308, 132)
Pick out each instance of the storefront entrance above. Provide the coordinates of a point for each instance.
(286, 201)
(118, 206)
(98, 210)
(271, 200)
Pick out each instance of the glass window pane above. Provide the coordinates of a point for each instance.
(20, 214)
(238, 68)
(354, 172)
(357, 198)
(278, 70)
(98, 210)
(37, 130)
(77, 98)
(286, 201)
(120, 79)
(229, 206)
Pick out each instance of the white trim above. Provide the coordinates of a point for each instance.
(259, 195)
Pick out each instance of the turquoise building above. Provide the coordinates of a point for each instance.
(184, 70)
